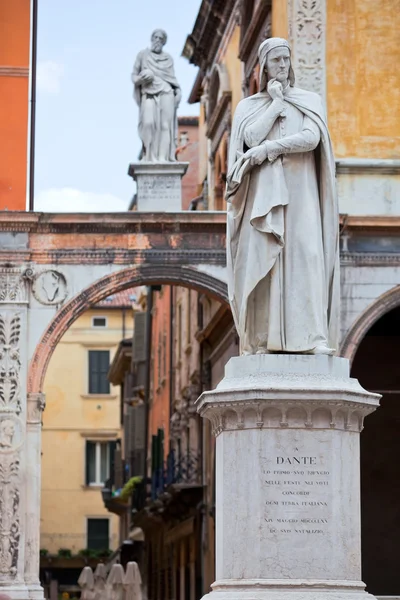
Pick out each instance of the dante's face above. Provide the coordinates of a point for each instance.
(278, 64)
(157, 42)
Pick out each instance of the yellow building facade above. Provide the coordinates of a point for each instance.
(80, 426)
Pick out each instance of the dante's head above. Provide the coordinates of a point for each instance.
(158, 40)
(275, 62)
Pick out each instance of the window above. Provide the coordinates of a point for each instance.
(99, 322)
(97, 462)
(99, 363)
(183, 138)
(98, 534)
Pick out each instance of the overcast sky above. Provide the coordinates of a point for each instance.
(86, 118)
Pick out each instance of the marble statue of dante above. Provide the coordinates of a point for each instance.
(158, 95)
(282, 222)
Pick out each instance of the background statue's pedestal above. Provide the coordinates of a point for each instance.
(287, 478)
(159, 185)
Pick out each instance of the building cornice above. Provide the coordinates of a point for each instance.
(202, 44)
(12, 71)
(361, 166)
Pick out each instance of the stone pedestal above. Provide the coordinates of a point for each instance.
(159, 186)
(287, 478)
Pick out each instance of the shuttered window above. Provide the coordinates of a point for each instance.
(99, 363)
(99, 462)
(98, 534)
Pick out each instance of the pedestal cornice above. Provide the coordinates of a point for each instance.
(255, 395)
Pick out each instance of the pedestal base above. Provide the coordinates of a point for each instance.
(287, 478)
(22, 592)
(159, 185)
(253, 589)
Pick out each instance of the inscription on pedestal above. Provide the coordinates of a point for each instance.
(297, 494)
(159, 192)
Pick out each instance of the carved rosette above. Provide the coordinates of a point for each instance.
(307, 32)
(49, 287)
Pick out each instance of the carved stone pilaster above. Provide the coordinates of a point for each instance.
(9, 510)
(14, 285)
(14, 298)
(307, 33)
(35, 407)
(10, 363)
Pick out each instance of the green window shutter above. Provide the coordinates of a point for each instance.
(99, 363)
(87, 463)
(90, 457)
(98, 534)
(139, 338)
(113, 458)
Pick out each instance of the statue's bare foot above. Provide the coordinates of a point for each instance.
(262, 350)
(323, 350)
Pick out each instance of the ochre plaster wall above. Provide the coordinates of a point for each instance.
(72, 417)
(234, 68)
(14, 69)
(279, 18)
(363, 78)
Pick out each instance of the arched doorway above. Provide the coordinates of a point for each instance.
(136, 275)
(376, 365)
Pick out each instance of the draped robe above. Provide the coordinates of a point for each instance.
(163, 84)
(282, 230)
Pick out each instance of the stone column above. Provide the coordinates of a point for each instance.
(13, 375)
(287, 480)
(36, 404)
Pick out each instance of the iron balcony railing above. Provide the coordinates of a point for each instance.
(185, 470)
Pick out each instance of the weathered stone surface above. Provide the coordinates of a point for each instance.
(287, 479)
(159, 187)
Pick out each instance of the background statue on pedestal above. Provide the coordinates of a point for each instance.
(158, 95)
(283, 237)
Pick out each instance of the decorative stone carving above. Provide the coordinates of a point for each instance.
(10, 433)
(10, 363)
(277, 399)
(307, 27)
(50, 287)
(36, 406)
(13, 286)
(9, 512)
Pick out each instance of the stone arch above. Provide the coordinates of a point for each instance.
(382, 305)
(186, 276)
